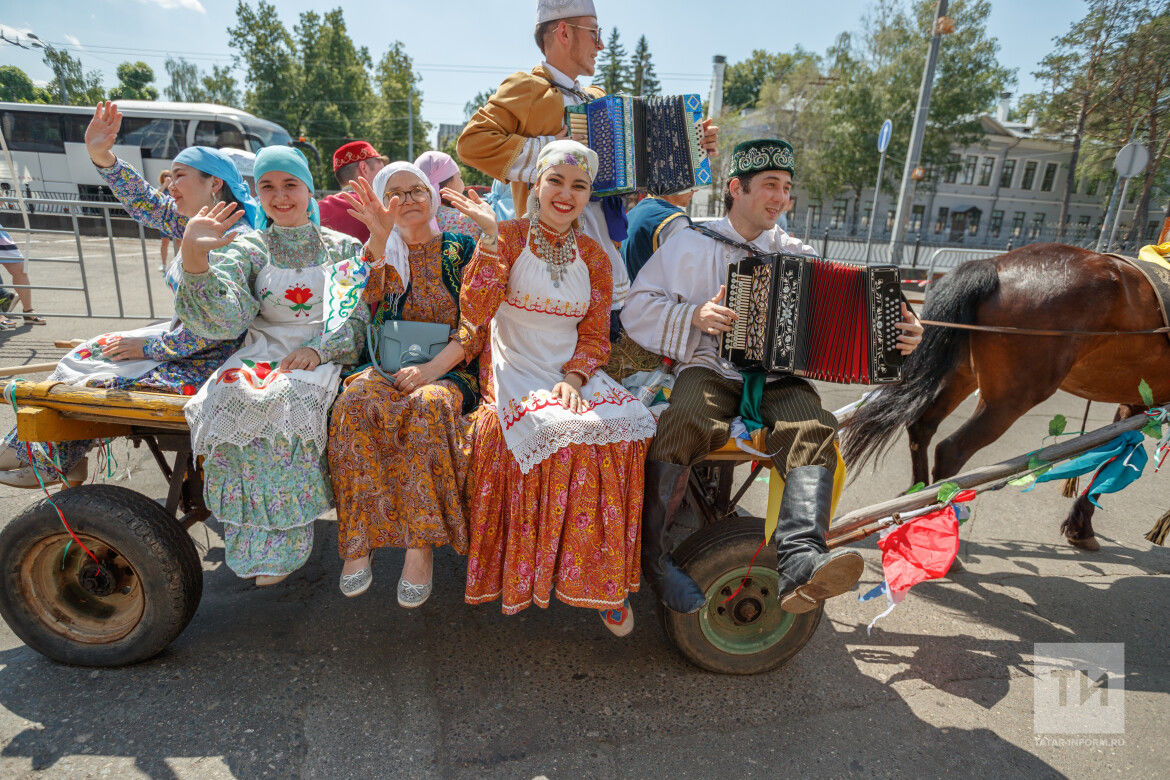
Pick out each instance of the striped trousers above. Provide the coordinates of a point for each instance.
(703, 403)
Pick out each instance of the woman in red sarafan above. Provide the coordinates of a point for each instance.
(555, 491)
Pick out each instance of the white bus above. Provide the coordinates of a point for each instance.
(47, 142)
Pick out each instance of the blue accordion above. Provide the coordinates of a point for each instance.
(643, 143)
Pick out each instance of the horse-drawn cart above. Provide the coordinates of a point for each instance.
(102, 575)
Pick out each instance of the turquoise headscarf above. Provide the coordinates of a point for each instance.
(215, 163)
(291, 161)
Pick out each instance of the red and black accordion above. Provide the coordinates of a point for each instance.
(814, 318)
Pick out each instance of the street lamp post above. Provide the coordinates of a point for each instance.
(906, 192)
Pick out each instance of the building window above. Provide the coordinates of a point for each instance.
(996, 224)
(1037, 225)
(890, 220)
(866, 216)
(917, 215)
(1018, 224)
(1082, 227)
(840, 207)
(973, 218)
(1029, 175)
(1091, 186)
(985, 171)
(940, 224)
(952, 174)
(814, 215)
(1005, 176)
(969, 169)
(1049, 177)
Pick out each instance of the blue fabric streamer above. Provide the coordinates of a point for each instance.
(1117, 463)
(291, 161)
(613, 208)
(215, 163)
(874, 592)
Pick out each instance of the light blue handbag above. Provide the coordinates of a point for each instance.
(398, 344)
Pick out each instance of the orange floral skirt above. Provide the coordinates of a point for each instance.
(398, 463)
(571, 527)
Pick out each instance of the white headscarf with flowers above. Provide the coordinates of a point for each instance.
(397, 253)
(567, 152)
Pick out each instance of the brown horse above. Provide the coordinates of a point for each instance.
(1040, 286)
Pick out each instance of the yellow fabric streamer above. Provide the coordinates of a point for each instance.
(776, 492)
(1156, 254)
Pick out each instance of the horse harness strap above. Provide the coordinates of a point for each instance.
(1042, 332)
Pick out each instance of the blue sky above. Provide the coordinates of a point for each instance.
(461, 47)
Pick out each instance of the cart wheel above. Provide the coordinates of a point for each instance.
(749, 633)
(124, 608)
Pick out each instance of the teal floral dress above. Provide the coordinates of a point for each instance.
(260, 426)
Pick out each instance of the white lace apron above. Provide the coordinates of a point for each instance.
(250, 397)
(534, 333)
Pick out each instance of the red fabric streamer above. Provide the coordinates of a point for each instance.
(921, 549)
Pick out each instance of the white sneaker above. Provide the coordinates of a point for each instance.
(26, 476)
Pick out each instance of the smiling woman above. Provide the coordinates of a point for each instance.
(260, 422)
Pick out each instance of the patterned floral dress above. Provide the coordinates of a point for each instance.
(260, 427)
(399, 460)
(175, 360)
(554, 498)
(452, 220)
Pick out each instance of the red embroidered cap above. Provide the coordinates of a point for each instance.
(355, 151)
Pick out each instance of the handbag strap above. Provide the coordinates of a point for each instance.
(372, 344)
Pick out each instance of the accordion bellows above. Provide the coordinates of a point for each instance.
(814, 318)
(643, 143)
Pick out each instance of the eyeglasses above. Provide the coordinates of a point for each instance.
(595, 30)
(416, 194)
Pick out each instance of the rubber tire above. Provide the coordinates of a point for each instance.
(156, 545)
(707, 555)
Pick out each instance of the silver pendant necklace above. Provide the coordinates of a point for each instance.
(557, 258)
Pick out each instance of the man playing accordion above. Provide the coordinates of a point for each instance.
(675, 309)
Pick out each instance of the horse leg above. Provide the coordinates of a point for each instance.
(1078, 526)
(955, 390)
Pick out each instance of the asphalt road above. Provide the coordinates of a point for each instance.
(297, 681)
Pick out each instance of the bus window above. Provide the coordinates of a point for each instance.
(26, 131)
(158, 139)
(219, 135)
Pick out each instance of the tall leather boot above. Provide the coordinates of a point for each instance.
(809, 573)
(666, 484)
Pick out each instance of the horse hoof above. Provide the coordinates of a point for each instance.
(1089, 543)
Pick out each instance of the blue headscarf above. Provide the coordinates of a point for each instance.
(215, 163)
(291, 161)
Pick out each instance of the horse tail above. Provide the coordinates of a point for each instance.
(872, 428)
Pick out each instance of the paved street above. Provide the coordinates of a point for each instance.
(298, 681)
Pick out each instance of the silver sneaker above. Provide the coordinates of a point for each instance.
(411, 595)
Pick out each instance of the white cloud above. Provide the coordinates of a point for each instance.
(189, 5)
(74, 40)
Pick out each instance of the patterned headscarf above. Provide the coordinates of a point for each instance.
(567, 152)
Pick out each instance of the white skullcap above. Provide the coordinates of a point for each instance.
(550, 10)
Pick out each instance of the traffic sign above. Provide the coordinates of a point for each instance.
(1131, 160)
(884, 135)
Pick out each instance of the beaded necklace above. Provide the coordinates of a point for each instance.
(557, 254)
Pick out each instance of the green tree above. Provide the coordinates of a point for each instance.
(266, 51)
(70, 84)
(613, 73)
(399, 101)
(742, 80)
(185, 85)
(643, 80)
(219, 86)
(1075, 74)
(335, 95)
(470, 175)
(134, 82)
(15, 85)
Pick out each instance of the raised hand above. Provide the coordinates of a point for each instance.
(102, 132)
(368, 208)
(474, 207)
(710, 139)
(712, 317)
(207, 231)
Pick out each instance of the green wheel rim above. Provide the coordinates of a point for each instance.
(752, 621)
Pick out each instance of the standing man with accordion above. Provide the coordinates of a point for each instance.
(675, 308)
(505, 137)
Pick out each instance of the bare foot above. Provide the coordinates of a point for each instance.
(418, 565)
(356, 565)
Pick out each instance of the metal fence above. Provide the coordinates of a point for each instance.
(81, 263)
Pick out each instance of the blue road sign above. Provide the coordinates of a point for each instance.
(884, 135)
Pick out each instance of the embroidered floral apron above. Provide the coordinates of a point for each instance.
(534, 333)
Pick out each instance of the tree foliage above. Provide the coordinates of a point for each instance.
(743, 80)
(399, 104)
(190, 85)
(134, 82)
(613, 72)
(16, 86)
(643, 80)
(71, 85)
